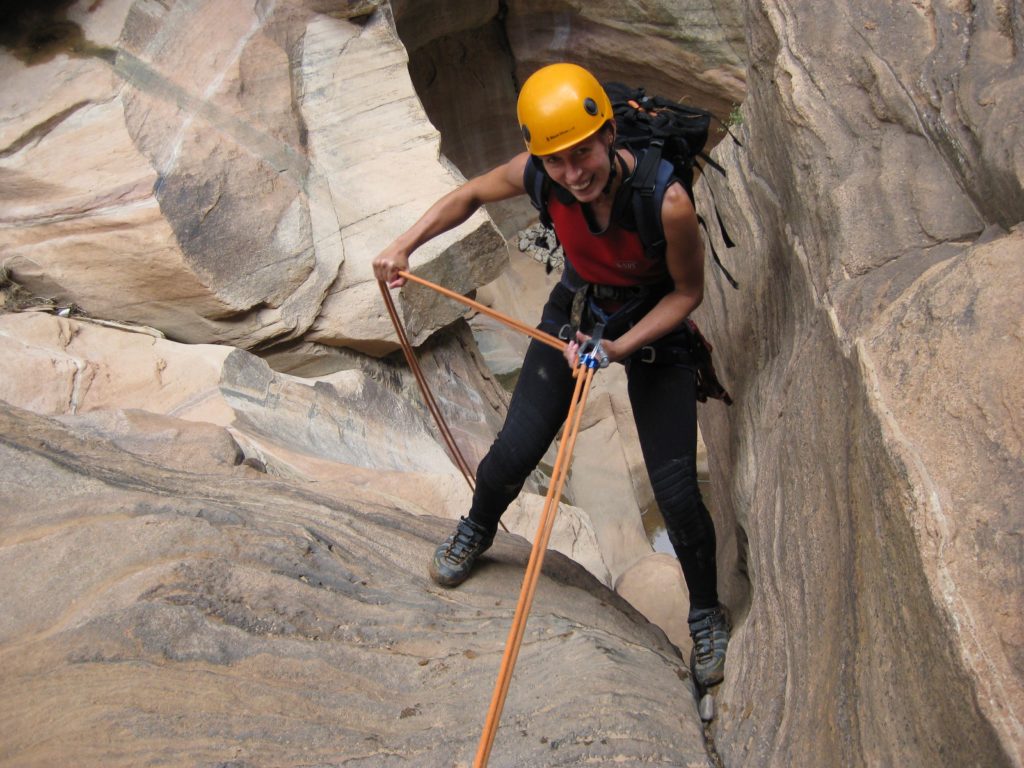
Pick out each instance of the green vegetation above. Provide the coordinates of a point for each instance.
(735, 117)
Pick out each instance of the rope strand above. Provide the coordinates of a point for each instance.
(533, 568)
(428, 397)
(511, 322)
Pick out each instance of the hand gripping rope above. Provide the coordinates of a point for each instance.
(591, 357)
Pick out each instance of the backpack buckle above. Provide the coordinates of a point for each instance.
(648, 354)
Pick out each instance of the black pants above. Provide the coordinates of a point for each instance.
(665, 408)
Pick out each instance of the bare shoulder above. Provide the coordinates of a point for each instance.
(679, 222)
(677, 208)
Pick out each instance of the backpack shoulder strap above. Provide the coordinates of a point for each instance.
(538, 187)
(651, 179)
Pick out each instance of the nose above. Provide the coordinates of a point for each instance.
(573, 170)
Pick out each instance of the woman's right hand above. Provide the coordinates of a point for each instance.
(389, 263)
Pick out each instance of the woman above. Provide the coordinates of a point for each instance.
(642, 301)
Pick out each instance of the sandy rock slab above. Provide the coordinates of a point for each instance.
(158, 615)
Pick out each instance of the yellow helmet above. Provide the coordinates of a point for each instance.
(561, 105)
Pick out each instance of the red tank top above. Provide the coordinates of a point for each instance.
(614, 257)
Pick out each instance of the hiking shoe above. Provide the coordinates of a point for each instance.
(709, 629)
(454, 559)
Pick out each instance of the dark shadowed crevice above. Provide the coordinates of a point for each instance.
(36, 32)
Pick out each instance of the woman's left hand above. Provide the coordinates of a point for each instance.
(572, 349)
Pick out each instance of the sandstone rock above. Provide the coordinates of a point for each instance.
(158, 615)
(204, 171)
(602, 474)
(383, 171)
(84, 368)
(874, 350)
(195, 168)
(361, 422)
(692, 54)
(654, 585)
(185, 446)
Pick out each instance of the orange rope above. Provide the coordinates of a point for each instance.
(533, 568)
(410, 357)
(511, 322)
(428, 396)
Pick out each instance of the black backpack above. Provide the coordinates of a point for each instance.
(654, 129)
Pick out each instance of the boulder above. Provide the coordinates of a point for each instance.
(654, 586)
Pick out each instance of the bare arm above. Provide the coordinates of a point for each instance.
(457, 206)
(684, 257)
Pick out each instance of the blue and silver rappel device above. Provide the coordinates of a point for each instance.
(592, 354)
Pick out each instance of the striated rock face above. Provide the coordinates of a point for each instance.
(363, 424)
(222, 187)
(154, 615)
(222, 175)
(872, 467)
(232, 188)
(467, 59)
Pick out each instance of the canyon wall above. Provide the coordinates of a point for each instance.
(872, 464)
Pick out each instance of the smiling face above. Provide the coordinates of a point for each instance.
(584, 167)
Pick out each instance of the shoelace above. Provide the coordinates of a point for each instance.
(704, 638)
(463, 542)
(705, 648)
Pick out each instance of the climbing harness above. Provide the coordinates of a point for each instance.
(591, 357)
